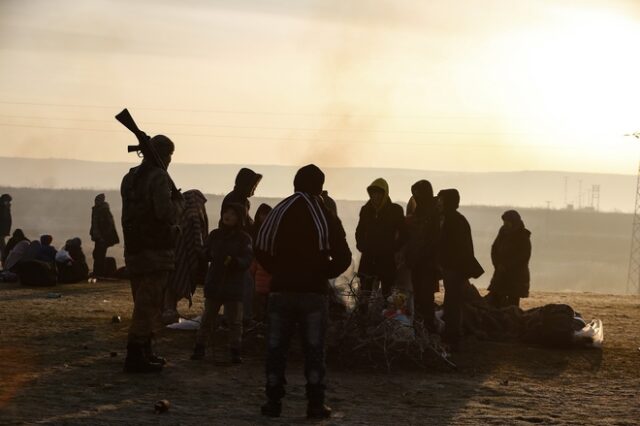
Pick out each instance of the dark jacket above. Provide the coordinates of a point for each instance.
(299, 265)
(380, 233)
(329, 202)
(5, 215)
(510, 254)
(225, 281)
(149, 219)
(246, 182)
(103, 228)
(455, 248)
(423, 229)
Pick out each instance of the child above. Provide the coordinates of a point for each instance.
(261, 277)
(230, 255)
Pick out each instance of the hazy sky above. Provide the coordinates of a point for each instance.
(449, 85)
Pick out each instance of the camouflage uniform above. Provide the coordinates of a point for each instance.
(149, 223)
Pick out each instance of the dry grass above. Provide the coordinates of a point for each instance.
(56, 368)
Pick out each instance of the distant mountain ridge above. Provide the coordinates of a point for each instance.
(519, 189)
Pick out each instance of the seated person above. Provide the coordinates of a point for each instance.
(47, 252)
(72, 263)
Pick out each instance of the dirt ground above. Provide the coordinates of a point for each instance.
(61, 362)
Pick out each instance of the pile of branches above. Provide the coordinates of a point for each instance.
(360, 335)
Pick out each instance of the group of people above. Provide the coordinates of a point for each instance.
(433, 243)
(277, 265)
(38, 263)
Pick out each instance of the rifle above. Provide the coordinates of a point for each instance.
(147, 149)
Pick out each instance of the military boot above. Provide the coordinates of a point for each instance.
(137, 362)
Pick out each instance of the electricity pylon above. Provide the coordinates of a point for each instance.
(633, 279)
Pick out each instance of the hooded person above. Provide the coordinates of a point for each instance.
(103, 233)
(245, 186)
(420, 252)
(230, 255)
(18, 236)
(151, 208)
(380, 235)
(456, 260)
(190, 266)
(510, 255)
(302, 245)
(5, 220)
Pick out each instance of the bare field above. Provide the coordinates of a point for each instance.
(56, 367)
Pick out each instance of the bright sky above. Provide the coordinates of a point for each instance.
(488, 85)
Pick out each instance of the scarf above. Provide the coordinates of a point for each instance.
(266, 240)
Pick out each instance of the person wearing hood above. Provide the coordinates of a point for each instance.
(420, 252)
(230, 255)
(510, 255)
(245, 186)
(191, 265)
(103, 233)
(457, 261)
(18, 236)
(380, 234)
(302, 245)
(5, 220)
(151, 208)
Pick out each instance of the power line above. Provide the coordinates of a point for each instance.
(295, 139)
(240, 112)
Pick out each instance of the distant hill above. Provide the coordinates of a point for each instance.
(522, 189)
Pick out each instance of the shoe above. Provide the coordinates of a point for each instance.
(272, 408)
(235, 356)
(148, 352)
(318, 411)
(137, 362)
(198, 352)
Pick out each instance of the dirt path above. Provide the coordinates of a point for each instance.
(56, 367)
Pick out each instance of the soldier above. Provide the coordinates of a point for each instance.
(103, 233)
(150, 210)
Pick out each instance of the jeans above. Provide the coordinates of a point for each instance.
(233, 314)
(309, 312)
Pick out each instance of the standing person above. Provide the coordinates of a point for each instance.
(510, 254)
(245, 186)
(229, 253)
(329, 202)
(150, 208)
(103, 233)
(424, 227)
(302, 245)
(457, 262)
(261, 277)
(191, 265)
(5, 222)
(379, 236)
